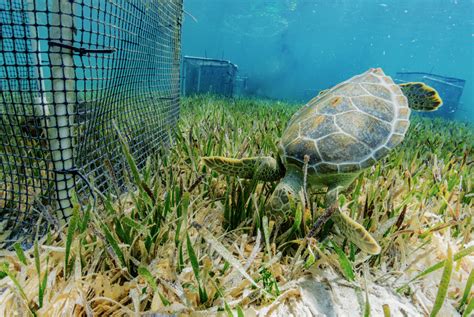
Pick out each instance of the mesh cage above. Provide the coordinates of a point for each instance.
(207, 75)
(69, 71)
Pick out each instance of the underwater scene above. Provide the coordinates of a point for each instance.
(322, 165)
(292, 49)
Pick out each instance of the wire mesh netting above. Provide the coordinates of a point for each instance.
(72, 72)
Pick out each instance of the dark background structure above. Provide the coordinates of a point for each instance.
(207, 75)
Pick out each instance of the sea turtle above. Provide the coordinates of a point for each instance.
(341, 132)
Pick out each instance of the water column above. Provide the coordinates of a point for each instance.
(61, 120)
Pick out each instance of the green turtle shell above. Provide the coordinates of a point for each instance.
(348, 127)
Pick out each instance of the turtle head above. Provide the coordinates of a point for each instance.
(287, 191)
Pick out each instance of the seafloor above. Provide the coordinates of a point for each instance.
(189, 240)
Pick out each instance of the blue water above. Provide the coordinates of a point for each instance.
(291, 48)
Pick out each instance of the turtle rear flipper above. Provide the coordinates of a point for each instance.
(356, 233)
(264, 168)
(352, 230)
(421, 97)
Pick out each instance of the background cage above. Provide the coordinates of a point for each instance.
(70, 71)
(206, 75)
(449, 88)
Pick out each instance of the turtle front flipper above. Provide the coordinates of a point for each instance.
(352, 230)
(421, 97)
(264, 168)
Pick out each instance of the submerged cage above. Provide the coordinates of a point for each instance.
(449, 88)
(206, 75)
(73, 73)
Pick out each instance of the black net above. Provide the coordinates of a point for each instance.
(70, 72)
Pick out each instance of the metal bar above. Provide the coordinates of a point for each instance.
(82, 50)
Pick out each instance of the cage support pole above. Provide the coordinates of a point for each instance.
(61, 121)
(41, 108)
